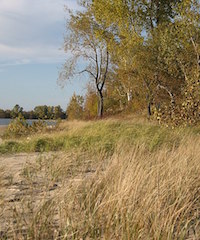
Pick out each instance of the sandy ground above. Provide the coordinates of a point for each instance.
(2, 130)
(13, 164)
(12, 186)
(16, 189)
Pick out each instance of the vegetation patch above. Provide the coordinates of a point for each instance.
(19, 127)
(99, 136)
(132, 194)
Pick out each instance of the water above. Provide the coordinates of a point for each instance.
(6, 121)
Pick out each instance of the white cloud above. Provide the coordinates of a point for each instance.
(26, 55)
(32, 30)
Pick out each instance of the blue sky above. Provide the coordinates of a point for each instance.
(31, 54)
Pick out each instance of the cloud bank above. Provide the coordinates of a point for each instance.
(32, 31)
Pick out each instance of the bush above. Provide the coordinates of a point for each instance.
(19, 127)
(42, 145)
(38, 126)
(186, 112)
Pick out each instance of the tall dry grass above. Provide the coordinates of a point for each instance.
(140, 195)
(134, 193)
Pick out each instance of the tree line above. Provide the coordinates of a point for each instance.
(39, 112)
(137, 55)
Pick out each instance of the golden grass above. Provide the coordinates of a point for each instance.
(114, 179)
(2, 130)
(139, 196)
(133, 194)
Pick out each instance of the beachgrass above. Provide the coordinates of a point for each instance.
(109, 179)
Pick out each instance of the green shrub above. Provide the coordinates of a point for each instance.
(10, 147)
(19, 127)
(42, 145)
(38, 126)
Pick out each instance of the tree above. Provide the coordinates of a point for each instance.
(41, 112)
(16, 111)
(2, 113)
(75, 107)
(85, 43)
(8, 113)
(138, 52)
(50, 112)
(179, 51)
(133, 24)
(30, 115)
(58, 112)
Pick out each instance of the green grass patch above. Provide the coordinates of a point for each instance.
(11, 147)
(101, 136)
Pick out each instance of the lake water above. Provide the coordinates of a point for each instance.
(6, 121)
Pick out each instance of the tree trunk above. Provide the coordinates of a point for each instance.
(149, 102)
(149, 109)
(100, 104)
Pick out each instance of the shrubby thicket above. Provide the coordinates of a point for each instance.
(138, 55)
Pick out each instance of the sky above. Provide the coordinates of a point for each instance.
(31, 54)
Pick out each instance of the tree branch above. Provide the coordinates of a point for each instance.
(86, 70)
(106, 70)
(97, 66)
(197, 54)
(167, 90)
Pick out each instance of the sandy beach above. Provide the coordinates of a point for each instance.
(2, 129)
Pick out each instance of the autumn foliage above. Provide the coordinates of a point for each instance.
(152, 62)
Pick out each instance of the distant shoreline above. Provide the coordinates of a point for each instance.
(6, 121)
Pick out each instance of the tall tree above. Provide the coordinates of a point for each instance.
(151, 47)
(134, 24)
(87, 48)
